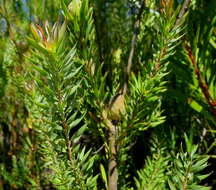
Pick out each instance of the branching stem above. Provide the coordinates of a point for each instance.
(112, 166)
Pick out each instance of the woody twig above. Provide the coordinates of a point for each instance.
(133, 44)
(202, 84)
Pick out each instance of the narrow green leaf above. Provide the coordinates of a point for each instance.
(103, 175)
(196, 106)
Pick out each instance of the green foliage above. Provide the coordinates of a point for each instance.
(98, 94)
(187, 167)
(153, 175)
(57, 82)
(178, 170)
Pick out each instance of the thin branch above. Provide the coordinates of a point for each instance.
(178, 22)
(95, 152)
(133, 44)
(202, 83)
(65, 128)
(182, 12)
(112, 166)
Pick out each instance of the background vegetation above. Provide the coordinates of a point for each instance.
(108, 94)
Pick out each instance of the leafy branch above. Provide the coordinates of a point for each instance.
(202, 84)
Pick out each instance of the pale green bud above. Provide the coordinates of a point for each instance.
(117, 55)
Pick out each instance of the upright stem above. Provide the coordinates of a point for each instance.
(202, 84)
(112, 166)
(182, 12)
(133, 44)
(65, 128)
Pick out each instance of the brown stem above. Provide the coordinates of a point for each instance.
(133, 44)
(68, 142)
(182, 12)
(112, 166)
(158, 62)
(201, 81)
(69, 149)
